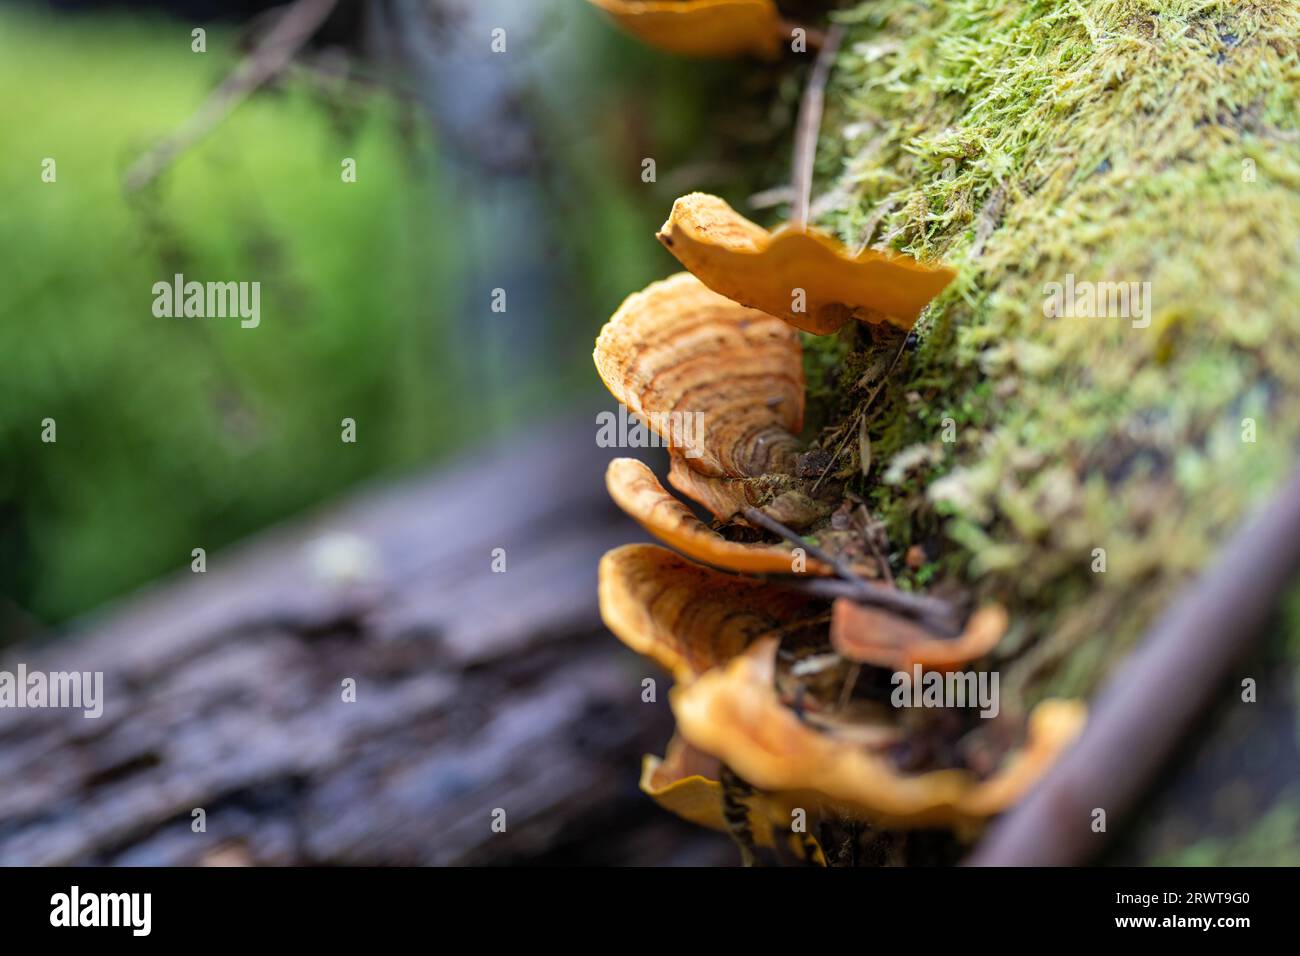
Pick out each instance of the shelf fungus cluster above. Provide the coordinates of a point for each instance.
(787, 654)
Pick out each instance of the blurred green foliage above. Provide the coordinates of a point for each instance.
(179, 433)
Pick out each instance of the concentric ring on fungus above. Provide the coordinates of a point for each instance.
(690, 363)
(677, 349)
(686, 617)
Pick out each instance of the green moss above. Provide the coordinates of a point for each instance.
(1024, 141)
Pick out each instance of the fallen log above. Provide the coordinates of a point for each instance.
(475, 691)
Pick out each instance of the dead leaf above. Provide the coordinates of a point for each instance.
(864, 446)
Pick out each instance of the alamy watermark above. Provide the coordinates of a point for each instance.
(922, 688)
(56, 689)
(209, 300)
(683, 430)
(133, 911)
(1098, 300)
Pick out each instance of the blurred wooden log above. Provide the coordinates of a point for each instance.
(475, 691)
(1153, 701)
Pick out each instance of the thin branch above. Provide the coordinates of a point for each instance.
(850, 681)
(934, 614)
(878, 214)
(940, 615)
(868, 524)
(808, 125)
(271, 55)
(771, 524)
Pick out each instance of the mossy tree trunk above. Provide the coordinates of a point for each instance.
(1078, 460)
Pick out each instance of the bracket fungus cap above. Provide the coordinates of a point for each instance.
(727, 497)
(766, 270)
(873, 636)
(690, 362)
(636, 490)
(707, 28)
(734, 714)
(688, 783)
(686, 617)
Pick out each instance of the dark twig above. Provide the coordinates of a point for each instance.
(937, 614)
(869, 230)
(1155, 697)
(771, 524)
(272, 55)
(808, 125)
(869, 537)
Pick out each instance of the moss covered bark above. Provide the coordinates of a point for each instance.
(1148, 141)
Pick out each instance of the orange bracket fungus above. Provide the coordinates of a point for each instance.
(872, 636)
(689, 618)
(688, 783)
(707, 28)
(719, 635)
(734, 713)
(637, 491)
(781, 698)
(803, 276)
(677, 351)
